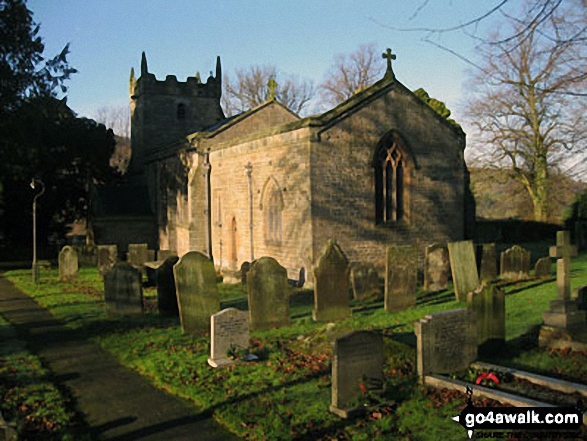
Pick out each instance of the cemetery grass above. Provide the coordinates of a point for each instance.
(29, 399)
(286, 394)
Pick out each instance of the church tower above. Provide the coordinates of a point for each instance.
(164, 112)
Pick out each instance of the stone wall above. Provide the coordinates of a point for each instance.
(343, 183)
(278, 162)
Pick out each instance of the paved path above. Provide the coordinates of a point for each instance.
(118, 404)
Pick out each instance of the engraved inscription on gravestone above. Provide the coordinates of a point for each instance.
(229, 329)
(446, 341)
(358, 360)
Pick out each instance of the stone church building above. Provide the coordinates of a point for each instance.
(381, 168)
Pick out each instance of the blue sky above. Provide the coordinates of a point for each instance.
(300, 37)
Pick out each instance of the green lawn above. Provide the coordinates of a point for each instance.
(286, 394)
(28, 397)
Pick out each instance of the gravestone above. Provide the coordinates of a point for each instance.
(488, 271)
(446, 342)
(581, 235)
(564, 318)
(245, 267)
(365, 282)
(515, 263)
(197, 293)
(401, 277)
(463, 267)
(229, 329)
(357, 365)
(166, 295)
(436, 268)
(123, 290)
(138, 254)
(302, 277)
(331, 284)
(543, 268)
(488, 304)
(268, 294)
(107, 257)
(68, 263)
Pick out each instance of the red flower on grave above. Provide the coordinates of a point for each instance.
(362, 387)
(487, 376)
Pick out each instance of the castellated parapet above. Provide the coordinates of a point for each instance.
(165, 111)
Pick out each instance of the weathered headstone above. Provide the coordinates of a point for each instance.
(245, 267)
(463, 267)
(268, 294)
(581, 235)
(488, 304)
(515, 263)
(68, 263)
(357, 367)
(564, 317)
(138, 254)
(123, 290)
(365, 282)
(166, 295)
(107, 257)
(331, 284)
(436, 268)
(229, 329)
(543, 268)
(446, 342)
(401, 277)
(197, 293)
(488, 271)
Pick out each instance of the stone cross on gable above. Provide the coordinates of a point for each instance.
(272, 85)
(389, 56)
(563, 251)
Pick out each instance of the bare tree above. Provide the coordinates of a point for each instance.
(528, 104)
(351, 73)
(116, 118)
(250, 89)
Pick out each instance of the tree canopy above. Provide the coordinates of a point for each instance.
(527, 100)
(41, 136)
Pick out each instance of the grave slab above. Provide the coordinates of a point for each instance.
(357, 366)
(197, 293)
(68, 263)
(464, 268)
(332, 284)
(268, 294)
(436, 268)
(401, 277)
(515, 264)
(229, 329)
(446, 342)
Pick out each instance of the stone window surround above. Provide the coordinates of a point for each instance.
(392, 161)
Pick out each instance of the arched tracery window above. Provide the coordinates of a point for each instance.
(390, 181)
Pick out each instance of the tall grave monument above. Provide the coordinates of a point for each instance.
(564, 324)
